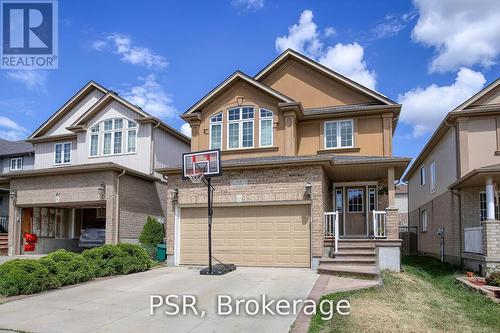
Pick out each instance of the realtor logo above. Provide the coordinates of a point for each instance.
(29, 34)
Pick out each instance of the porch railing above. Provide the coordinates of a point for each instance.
(4, 223)
(379, 218)
(332, 227)
(473, 240)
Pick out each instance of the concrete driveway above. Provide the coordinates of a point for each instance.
(122, 304)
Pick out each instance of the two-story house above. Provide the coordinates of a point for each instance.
(453, 185)
(93, 167)
(297, 140)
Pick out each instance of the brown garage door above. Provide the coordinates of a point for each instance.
(275, 236)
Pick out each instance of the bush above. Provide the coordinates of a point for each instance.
(152, 232)
(117, 259)
(26, 276)
(68, 267)
(493, 279)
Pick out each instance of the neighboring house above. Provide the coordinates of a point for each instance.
(298, 140)
(402, 203)
(453, 185)
(14, 156)
(93, 168)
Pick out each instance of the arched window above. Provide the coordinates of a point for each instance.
(216, 131)
(112, 132)
(240, 127)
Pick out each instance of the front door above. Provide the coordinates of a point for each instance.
(355, 216)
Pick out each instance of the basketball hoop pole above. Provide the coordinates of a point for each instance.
(210, 212)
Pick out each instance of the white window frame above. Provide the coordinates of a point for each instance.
(424, 220)
(240, 121)
(339, 139)
(261, 120)
(125, 132)
(98, 133)
(482, 212)
(422, 175)
(16, 159)
(62, 152)
(432, 170)
(216, 123)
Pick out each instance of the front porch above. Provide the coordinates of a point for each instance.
(360, 232)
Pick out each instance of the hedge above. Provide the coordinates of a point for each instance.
(60, 268)
(152, 234)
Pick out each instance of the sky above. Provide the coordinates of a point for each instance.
(428, 55)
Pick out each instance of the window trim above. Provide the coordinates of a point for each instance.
(16, 159)
(422, 175)
(432, 171)
(422, 214)
(102, 131)
(261, 120)
(240, 121)
(62, 152)
(216, 123)
(339, 137)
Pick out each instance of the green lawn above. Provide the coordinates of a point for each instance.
(424, 298)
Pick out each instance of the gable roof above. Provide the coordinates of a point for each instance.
(66, 107)
(78, 125)
(13, 148)
(477, 96)
(232, 78)
(291, 54)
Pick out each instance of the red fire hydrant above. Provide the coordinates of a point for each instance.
(30, 240)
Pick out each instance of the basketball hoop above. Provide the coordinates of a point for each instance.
(196, 178)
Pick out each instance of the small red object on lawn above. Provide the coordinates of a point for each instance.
(29, 247)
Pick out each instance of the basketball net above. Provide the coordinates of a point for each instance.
(198, 171)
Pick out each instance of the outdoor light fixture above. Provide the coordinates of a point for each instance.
(102, 191)
(13, 195)
(308, 188)
(175, 195)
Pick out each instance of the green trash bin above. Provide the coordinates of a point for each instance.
(161, 252)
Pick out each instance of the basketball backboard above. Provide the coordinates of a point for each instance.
(201, 163)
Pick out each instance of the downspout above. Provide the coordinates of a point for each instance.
(117, 208)
(152, 147)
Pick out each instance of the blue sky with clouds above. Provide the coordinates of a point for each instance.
(165, 55)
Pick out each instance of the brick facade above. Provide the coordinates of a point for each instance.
(491, 245)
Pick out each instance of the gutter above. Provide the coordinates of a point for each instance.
(117, 208)
(152, 147)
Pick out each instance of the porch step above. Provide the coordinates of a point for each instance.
(4, 244)
(349, 261)
(370, 271)
(355, 252)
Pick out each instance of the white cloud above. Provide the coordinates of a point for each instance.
(10, 130)
(424, 109)
(186, 129)
(122, 45)
(392, 24)
(248, 5)
(32, 79)
(346, 59)
(151, 97)
(463, 33)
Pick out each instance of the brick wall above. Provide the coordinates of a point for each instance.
(253, 186)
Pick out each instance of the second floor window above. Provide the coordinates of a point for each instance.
(16, 164)
(118, 136)
(240, 127)
(338, 134)
(62, 153)
(266, 128)
(422, 175)
(433, 177)
(216, 131)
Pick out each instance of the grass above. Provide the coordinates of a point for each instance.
(424, 298)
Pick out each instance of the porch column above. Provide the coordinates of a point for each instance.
(390, 187)
(392, 212)
(490, 199)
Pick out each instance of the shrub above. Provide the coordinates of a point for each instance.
(117, 259)
(68, 267)
(493, 279)
(25, 276)
(152, 232)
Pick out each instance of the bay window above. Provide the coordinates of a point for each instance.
(240, 127)
(338, 134)
(266, 128)
(216, 131)
(62, 153)
(118, 136)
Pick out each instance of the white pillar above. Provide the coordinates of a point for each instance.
(490, 199)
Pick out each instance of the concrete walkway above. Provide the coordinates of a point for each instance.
(122, 304)
(325, 285)
(24, 256)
